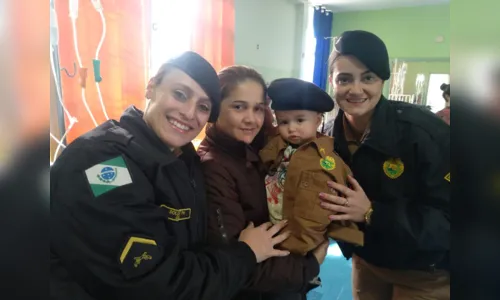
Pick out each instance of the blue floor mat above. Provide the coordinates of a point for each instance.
(335, 274)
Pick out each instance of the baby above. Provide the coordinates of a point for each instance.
(299, 162)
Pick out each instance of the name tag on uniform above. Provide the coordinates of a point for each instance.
(177, 215)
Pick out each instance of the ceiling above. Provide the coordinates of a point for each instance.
(358, 5)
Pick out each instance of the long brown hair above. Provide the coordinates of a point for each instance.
(331, 60)
(230, 78)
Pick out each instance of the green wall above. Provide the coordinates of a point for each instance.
(407, 32)
(266, 42)
(425, 68)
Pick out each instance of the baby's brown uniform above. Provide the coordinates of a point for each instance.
(310, 167)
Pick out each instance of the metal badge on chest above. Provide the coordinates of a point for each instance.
(393, 168)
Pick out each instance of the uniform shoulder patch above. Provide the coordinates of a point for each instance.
(139, 256)
(448, 177)
(108, 175)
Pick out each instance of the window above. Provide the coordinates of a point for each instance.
(434, 94)
(172, 25)
(310, 48)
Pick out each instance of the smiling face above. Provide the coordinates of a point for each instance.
(242, 111)
(357, 89)
(178, 109)
(298, 126)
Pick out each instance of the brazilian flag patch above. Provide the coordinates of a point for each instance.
(108, 175)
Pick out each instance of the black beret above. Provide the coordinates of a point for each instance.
(368, 49)
(296, 94)
(204, 74)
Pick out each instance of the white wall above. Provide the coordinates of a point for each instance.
(269, 36)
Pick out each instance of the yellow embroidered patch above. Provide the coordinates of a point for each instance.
(139, 259)
(131, 242)
(327, 163)
(177, 215)
(448, 177)
(393, 168)
(139, 256)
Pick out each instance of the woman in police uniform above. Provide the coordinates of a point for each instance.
(128, 214)
(399, 155)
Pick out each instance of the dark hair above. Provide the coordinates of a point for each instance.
(230, 77)
(446, 90)
(331, 59)
(162, 71)
(156, 79)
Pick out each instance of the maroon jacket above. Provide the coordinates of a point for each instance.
(236, 195)
(444, 114)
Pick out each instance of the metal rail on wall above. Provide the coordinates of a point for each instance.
(54, 41)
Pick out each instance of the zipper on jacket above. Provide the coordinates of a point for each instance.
(222, 229)
(192, 182)
(197, 218)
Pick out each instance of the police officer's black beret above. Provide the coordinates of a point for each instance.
(367, 48)
(296, 94)
(204, 74)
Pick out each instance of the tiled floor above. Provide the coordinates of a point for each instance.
(335, 277)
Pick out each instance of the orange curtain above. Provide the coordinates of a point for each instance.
(124, 59)
(213, 36)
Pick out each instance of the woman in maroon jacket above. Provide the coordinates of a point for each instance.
(234, 178)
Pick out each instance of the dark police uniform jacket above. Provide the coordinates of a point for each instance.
(128, 221)
(403, 165)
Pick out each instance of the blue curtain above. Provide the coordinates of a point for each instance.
(322, 22)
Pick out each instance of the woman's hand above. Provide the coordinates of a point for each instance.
(352, 207)
(262, 239)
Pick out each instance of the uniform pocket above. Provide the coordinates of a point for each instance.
(307, 220)
(307, 202)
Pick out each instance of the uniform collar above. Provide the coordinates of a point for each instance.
(349, 132)
(217, 139)
(132, 120)
(322, 143)
(383, 134)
